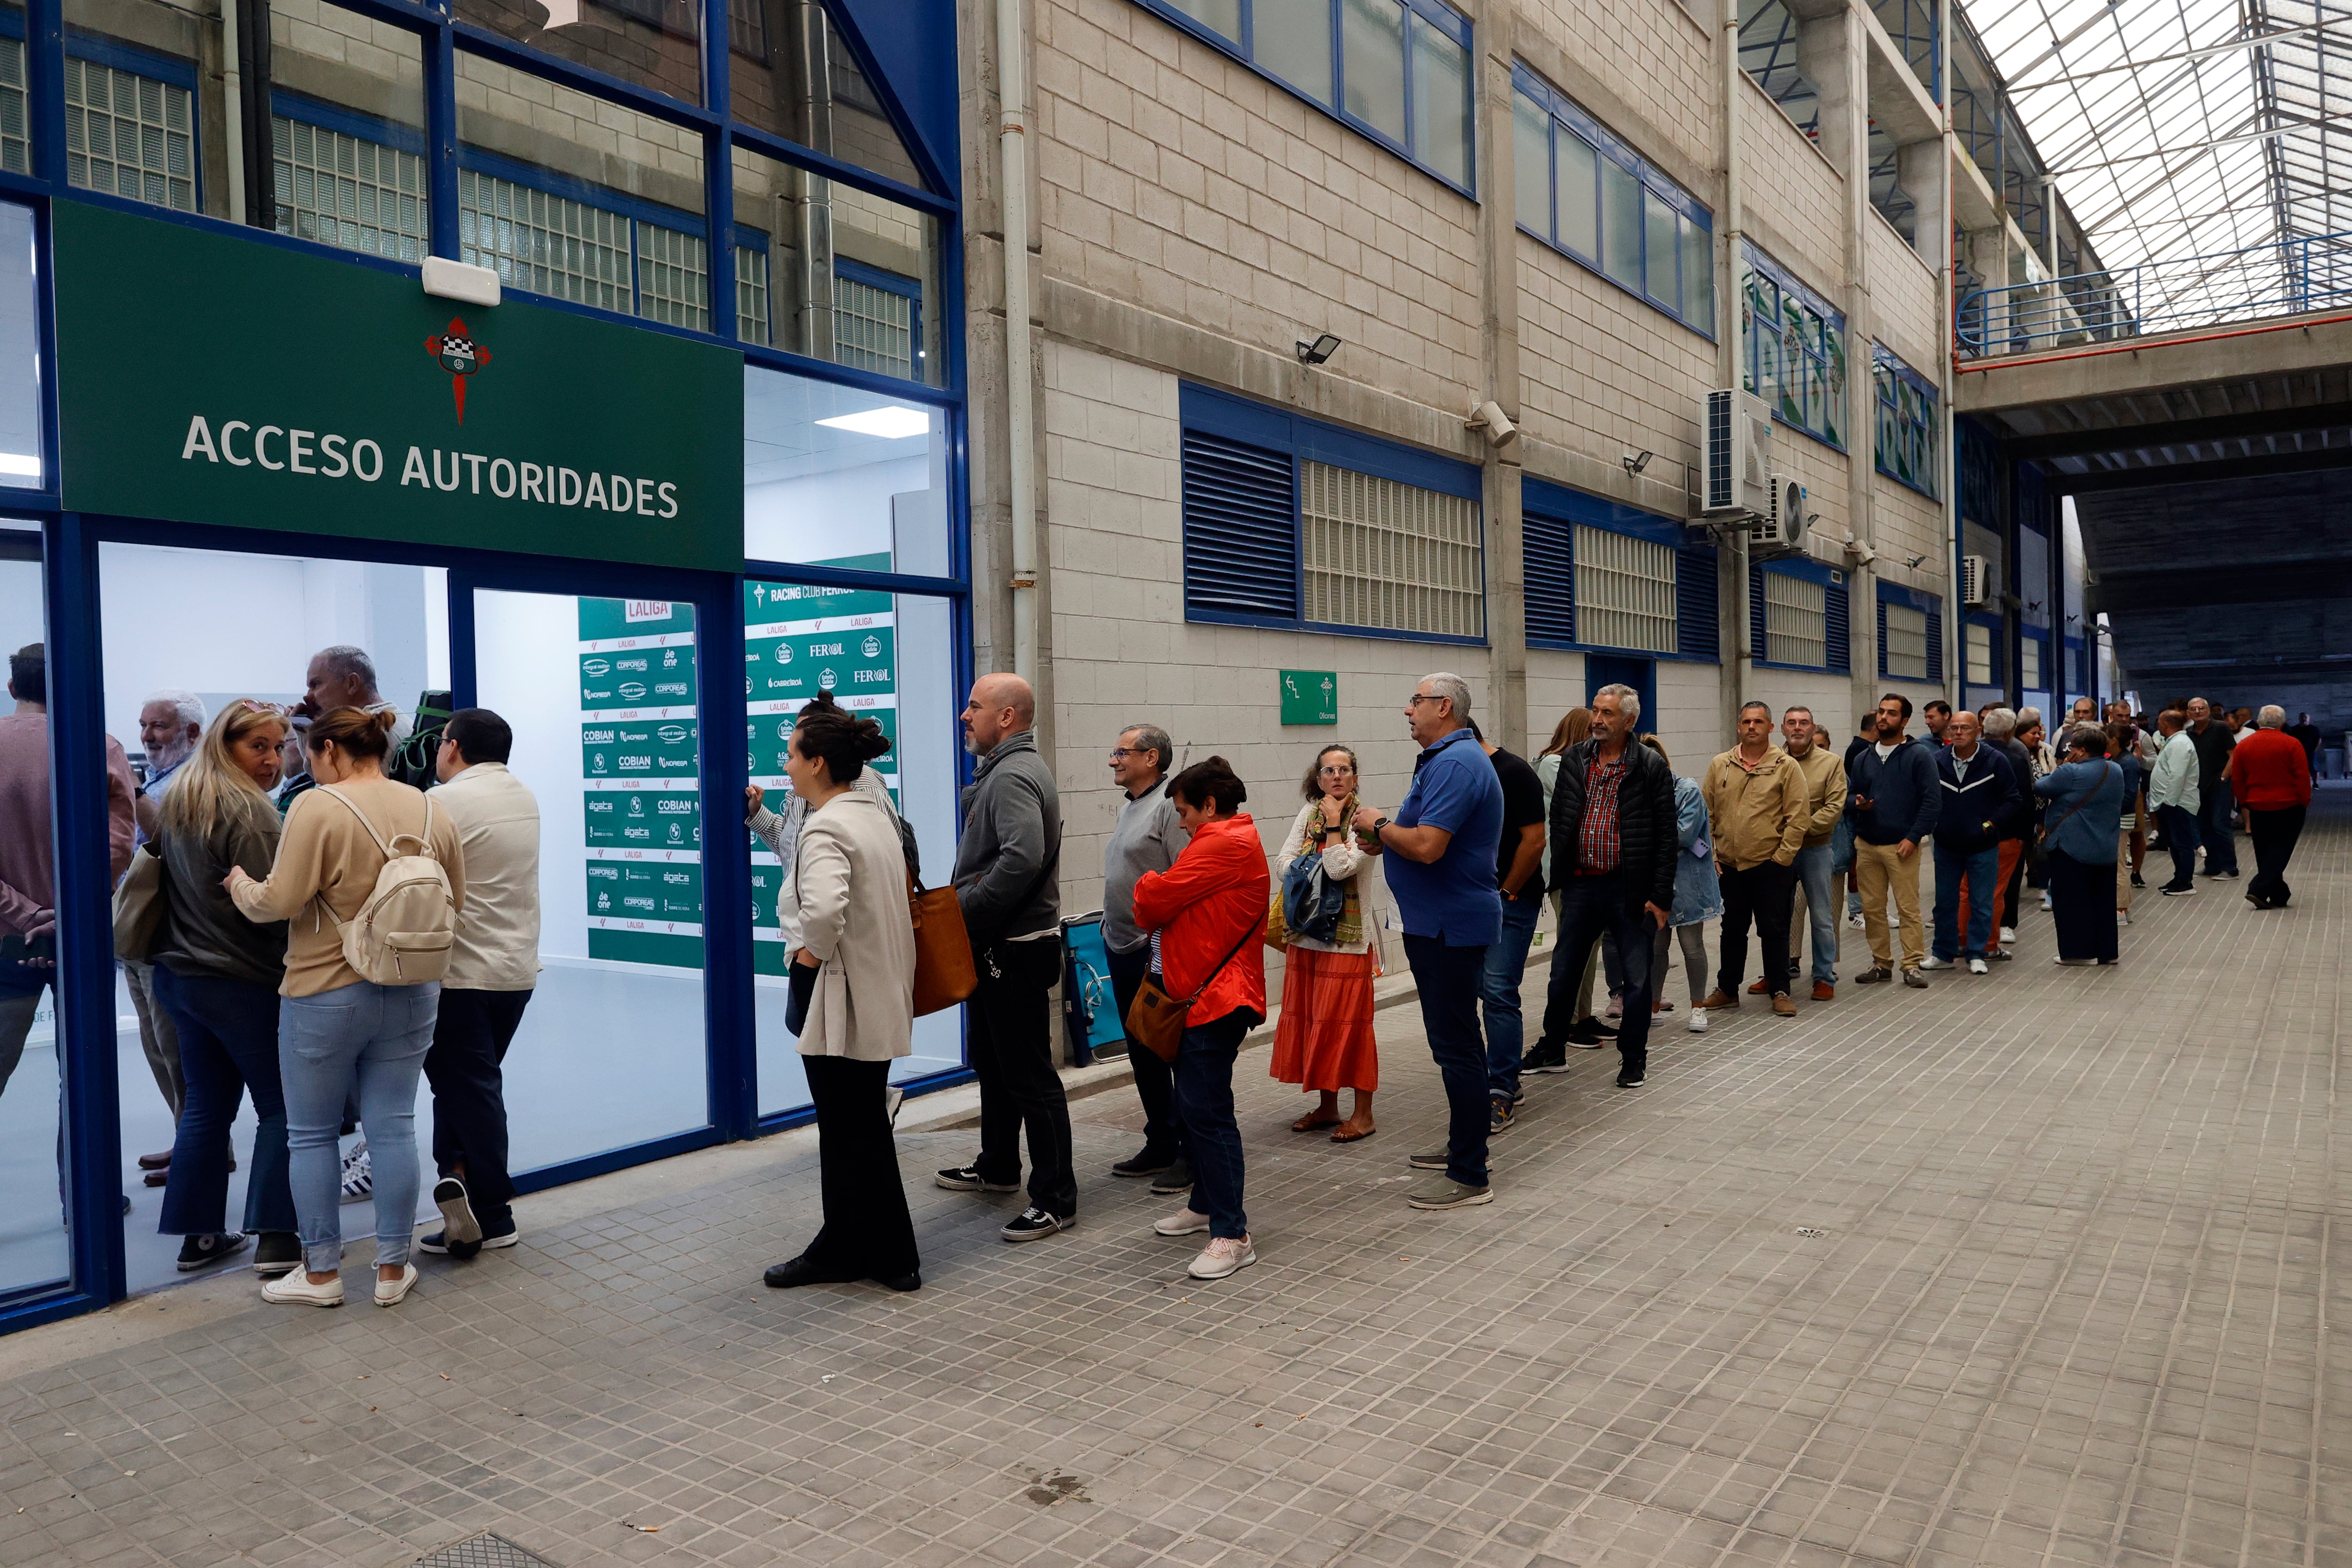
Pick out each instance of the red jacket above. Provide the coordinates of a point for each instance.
(2270, 771)
(1214, 896)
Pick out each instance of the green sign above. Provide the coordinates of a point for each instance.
(1309, 696)
(206, 378)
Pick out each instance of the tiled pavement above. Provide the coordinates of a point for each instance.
(2032, 1268)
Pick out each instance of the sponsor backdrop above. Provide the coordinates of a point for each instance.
(639, 769)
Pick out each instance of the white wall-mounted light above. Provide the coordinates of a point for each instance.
(892, 422)
(459, 280)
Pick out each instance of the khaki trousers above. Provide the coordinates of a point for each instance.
(1877, 868)
(159, 1037)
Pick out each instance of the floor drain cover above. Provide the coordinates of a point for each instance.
(484, 1550)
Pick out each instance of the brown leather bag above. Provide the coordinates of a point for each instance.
(1155, 1020)
(944, 972)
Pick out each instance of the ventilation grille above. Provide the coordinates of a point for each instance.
(1551, 578)
(1241, 529)
(1696, 602)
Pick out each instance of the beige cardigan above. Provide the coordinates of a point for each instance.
(848, 894)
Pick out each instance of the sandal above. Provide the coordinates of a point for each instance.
(1343, 1136)
(1310, 1122)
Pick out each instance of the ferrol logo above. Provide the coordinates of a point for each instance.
(461, 356)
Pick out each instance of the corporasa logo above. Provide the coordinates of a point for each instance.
(456, 351)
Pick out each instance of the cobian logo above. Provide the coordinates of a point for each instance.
(460, 356)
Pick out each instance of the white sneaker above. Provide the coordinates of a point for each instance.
(1979, 966)
(1616, 1008)
(1697, 1025)
(1854, 920)
(1932, 962)
(2123, 916)
(1183, 1221)
(2007, 935)
(296, 1290)
(1226, 1255)
(393, 1292)
(2045, 901)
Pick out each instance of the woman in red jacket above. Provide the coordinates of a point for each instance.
(1205, 914)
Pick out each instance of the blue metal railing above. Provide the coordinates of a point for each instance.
(2286, 277)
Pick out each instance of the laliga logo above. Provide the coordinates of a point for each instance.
(460, 356)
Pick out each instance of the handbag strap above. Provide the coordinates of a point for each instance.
(1202, 989)
(2079, 804)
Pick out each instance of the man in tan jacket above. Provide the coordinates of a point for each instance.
(1815, 895)
(1758, 809)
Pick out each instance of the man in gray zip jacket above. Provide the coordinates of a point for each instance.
(1007, 868)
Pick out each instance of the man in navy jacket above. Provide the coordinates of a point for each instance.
(1980, 795)
(1891, 796)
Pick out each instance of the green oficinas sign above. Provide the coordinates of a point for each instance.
(206, 378)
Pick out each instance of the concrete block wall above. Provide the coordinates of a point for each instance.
(1903, 296)
(1795, 197)
(1603, 372)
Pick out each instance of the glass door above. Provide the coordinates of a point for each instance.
(602, 696)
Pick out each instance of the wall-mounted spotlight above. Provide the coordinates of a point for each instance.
(1321, 349)
(1634, 465)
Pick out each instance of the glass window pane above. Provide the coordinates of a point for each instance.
(135, 72)
(1664, 248)
(20, 390)
(1292, 38)
(1698, 275)
(887, 654)
(1222, 18)
(35, 1245)
(1531, 163)
(1440, 103)
(163, 639)
(1621, 224)
(1579, 193)
(568, 196)
(1371, 42)
(347, 129)
(655, 44)
(848, 277)
(16, 108)
(790, 74)
(833, 476)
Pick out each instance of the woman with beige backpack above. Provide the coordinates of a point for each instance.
(369, 877)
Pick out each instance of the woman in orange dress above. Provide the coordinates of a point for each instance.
(1324, 1041)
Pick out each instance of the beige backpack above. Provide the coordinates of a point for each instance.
(401, 936)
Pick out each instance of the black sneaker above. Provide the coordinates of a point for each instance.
(967, 1178)
(204, 1251)
(2138, 880)
(1541, 1060)
(439, 1244)
(1498, 1116)
(280, 1252)
(1873, 976)
(1632, 1077)
(1176, 1178)
(1146, 1161)
(2183, 892)
(1590, 1032)
(1033, 1223)
(494, 1238)
(457, 1221)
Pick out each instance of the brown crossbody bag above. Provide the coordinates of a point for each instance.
(1156, 1020)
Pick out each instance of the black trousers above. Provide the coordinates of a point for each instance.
(1012, 1036)
(471, 1037)
(1155, 1080)
(867, 1232)
(2274, 835)
(1764, 894)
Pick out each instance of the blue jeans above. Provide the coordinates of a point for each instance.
(1213, 1138)
(1448, 981)
(2217, 828)
(1498, 995)
(1982, 869)
(1816, 869)
(1591, 907)
(2180, 834)
(377, 1035)
(228, 1047)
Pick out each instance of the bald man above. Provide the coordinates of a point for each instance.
(1007, 877)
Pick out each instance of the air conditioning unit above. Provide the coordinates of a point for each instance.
(1976, 582)
(1735, 469)
(1780, 531)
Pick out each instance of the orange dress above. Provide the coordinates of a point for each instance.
(1324, 1039)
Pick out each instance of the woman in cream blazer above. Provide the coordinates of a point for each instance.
(852, 971)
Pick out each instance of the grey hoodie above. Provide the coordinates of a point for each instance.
(1008, 863)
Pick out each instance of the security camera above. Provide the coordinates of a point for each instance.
(1490, 418)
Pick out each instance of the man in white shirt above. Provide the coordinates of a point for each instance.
(2173, 794)
(493, 966)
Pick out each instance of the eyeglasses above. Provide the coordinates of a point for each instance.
(1337, 768)
(1419, 697)
(1120, 753)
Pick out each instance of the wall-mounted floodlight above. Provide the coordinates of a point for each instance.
(1634, 465)
(1321, 349)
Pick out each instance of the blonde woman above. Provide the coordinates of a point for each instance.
(1568, 1018)
(1324, 1042)
(216, 974)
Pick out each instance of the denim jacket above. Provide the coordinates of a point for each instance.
(1698, 891)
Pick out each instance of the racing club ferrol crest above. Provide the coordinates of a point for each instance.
(460, 356)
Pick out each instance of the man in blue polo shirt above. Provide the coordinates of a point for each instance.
(1440, 852)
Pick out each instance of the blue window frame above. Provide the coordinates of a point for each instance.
(1793, 350)
(1800, 615)
(1909, 443)
(1400, 71)
(1291, 522)
(1595, 200)
(1910, 635)
(1618, 607)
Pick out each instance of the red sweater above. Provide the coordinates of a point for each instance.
(1214, 896)
(2270, 771)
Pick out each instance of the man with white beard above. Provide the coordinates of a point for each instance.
(171, 723)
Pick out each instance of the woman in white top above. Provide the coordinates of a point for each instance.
(853, 978)
(1324, 1041)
